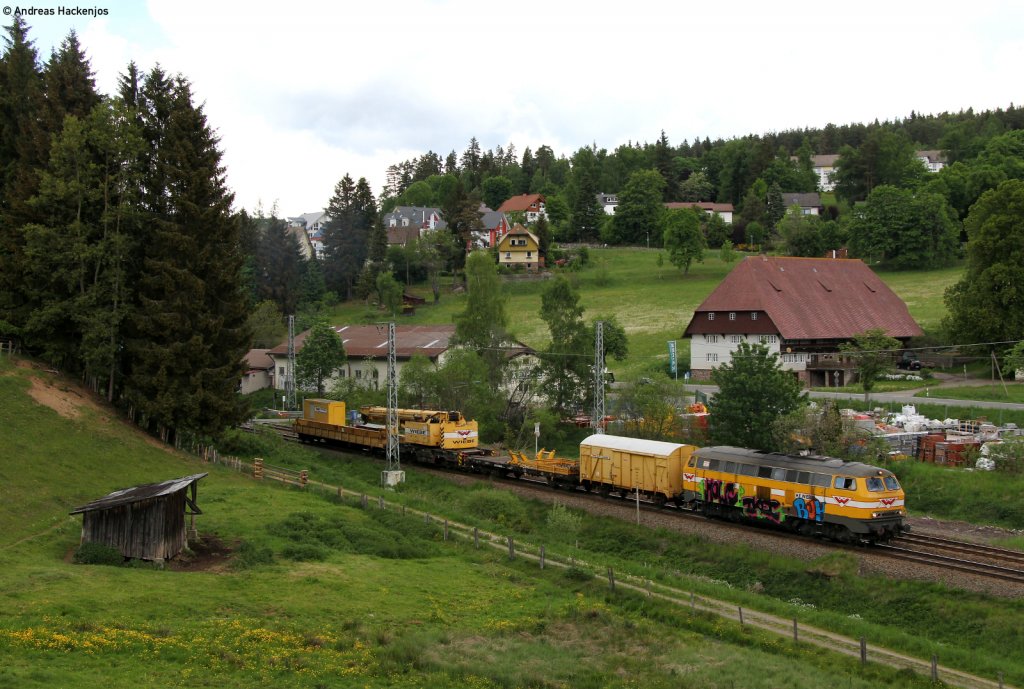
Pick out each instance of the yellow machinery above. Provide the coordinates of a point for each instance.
(447, 430)
(324, 411)
(546, 464)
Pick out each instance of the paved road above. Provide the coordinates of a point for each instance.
(886, 398)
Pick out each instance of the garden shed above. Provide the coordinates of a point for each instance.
(145, 522)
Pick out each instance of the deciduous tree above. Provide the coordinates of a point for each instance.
(873, 352)
(322, 354)
(753, 393)
(683, 238)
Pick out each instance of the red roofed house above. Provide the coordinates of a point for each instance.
(530, 204)
(723, 209)
(802, 309)
(259, 371)
(367, 350)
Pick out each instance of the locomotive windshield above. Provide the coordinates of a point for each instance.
(875, 484)
(891, 483)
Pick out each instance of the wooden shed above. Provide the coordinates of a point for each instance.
(145, 522)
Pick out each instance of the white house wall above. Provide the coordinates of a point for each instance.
(711, 351)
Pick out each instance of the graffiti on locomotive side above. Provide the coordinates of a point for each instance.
(809, 508)
(721, 492)
(763, 508)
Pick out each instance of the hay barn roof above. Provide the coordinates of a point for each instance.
(127, 496)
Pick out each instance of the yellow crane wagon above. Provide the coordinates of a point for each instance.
(446, 430)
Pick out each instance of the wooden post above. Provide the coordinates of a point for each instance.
(935, 668)
(380, 502)
(649, 594)
(403, 510)
(476, 537)
(1000, 680)
(542, 557)
(364, 501)
(611, 579)
(257, 468)
(693, 606)
(303, 477)
(446, 529)
(796, 639)
(511, 549)
(741, 615)
(340, 495)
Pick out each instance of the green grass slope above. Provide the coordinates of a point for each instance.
(653, 304)
(321, 593)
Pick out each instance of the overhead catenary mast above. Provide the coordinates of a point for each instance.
(289, 380)
(598, 415)
(393, 474)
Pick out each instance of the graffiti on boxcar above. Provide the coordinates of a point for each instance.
(762, 508)
(809, 508)
(718, 491)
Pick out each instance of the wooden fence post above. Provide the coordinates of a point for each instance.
(364, 501)
(611, 579)
(542, 557)
(257, 468)
(380, 502)
(741, 615)
(795, 638)
(445, 530)
(476, 537)
(303, 477)
(863, 651)
(693, 605)
(511, 549)
(935, 668)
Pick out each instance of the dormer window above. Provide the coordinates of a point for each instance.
(753, 315)
(732, 315)
(711, 316)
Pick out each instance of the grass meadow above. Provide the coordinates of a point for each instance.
(653, 304)
(322, 593)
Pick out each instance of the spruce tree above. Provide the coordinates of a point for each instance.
(188, 330)
(69, 84)
(278, 265)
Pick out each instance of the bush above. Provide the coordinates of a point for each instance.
(499, 507)
(562, 520)
(251, 555)
(98, 554)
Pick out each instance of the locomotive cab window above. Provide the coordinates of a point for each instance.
(875, 484)
(748, 470)
(845, 483)
(891, 483)
(764, 472)
(692, 463)
(778, 474)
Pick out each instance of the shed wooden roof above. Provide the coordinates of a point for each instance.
(127, 496)
(809, 299)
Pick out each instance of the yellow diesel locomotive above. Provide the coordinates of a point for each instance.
(821, 496)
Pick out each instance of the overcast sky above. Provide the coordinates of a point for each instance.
(302, 92)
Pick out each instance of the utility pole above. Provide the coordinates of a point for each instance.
(289, 379)
(393, 474)
(598, 416)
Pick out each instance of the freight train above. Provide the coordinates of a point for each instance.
(819, 496)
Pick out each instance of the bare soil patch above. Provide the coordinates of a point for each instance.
(208, 554)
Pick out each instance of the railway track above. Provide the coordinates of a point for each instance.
(962, 556)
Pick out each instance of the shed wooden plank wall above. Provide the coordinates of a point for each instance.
(149, 529)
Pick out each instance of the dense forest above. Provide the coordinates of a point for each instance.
(123, 261)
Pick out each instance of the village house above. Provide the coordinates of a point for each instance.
(367, 350)
(495, 226)
(809, 203)
(802, 309)
(312, 224)
(608, 202)
(725, 210)
(520, 248)
(933, 160)
(259, 371)
(532, 205)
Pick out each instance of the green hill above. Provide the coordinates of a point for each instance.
(297, 589)
(653, 304)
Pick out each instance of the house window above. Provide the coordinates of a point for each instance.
(735, 339)
(768, 339)
(711, 316)
(753, 315)
(405, 222)
(359, 374)
(732, 315)
(711, 339)
(529, 254)
(508, 254)
(712, 357)
(280, 371)
(376, 374)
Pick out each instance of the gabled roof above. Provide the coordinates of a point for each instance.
(520, 203)
(824, 160)
(258, 359)
(518, 231)
(126, 496)
(318, 216)
(491, 219)
(932, 156)
(703, 205)
(362, 341)
(809, 298)
(807, 200)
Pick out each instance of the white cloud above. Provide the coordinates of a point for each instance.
(303, 92)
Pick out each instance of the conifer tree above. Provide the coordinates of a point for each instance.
(352, 212)
(69, 84)
(278, 265)
(188, 330)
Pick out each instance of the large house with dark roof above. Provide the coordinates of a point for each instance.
(802, 309)
(367, 350)
(725, 210)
